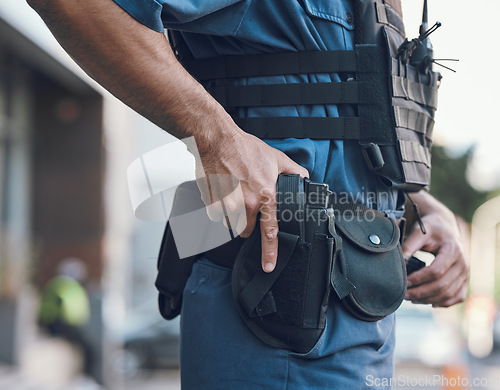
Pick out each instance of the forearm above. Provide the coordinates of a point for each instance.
(136, 65)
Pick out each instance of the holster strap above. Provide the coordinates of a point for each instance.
(259, 286)
(339, 282)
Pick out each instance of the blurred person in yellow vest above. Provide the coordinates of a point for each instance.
(65, 308)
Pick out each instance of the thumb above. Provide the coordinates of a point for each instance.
(415, 241)
(287, 165)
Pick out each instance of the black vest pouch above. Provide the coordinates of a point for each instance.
(369, 274)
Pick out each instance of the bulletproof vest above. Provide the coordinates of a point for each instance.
(394, 97)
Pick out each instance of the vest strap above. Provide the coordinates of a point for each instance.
(302, 127)
(272, 64)
(286, 94)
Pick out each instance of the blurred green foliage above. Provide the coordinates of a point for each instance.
(449, 182)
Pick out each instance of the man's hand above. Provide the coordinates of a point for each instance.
(444, 282)
(256, 167)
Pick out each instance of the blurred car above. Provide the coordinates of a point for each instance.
(148, 343)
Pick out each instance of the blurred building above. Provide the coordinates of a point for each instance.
(65, 145)
(51, 176)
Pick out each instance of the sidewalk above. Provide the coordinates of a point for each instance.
(159, 380)
(52, 364)
(46, 364)
(12, 378)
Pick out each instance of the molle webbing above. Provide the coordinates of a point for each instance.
(414, 152)
(416, 92)
(286, 94)
(367, 62)
(272, 64)
(395, 5)
(414, 120)
(302, 127)
(388, 16)
(363, 92)
(394, 101)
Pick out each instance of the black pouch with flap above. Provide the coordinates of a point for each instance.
(369, 273)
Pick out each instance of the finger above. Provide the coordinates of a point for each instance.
(224, 187)
(241, 224)
(226, 223)
(287, 165)
(443, 261)
(457, 292)
(251, 219)
(454, 294)
(234, 206)
(442, 296)
(433, 293)
(433, 287)
(443, 287)
(204, 187)
(458, 298)
(269, 235)
(214, 212)
(236, 220)
(415, 241)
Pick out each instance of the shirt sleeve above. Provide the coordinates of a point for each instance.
(147, 12)
(160, 14)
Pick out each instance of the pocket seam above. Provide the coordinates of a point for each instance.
(243, 18)
(315, 11)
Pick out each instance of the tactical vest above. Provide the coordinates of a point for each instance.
(395, 99)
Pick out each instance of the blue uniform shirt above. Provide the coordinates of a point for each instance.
(232, 27)
(350, 350)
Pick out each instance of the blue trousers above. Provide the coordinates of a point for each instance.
(218, 351)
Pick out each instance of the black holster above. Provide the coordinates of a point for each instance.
(287, 307)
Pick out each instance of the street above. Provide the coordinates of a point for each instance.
(486, 370)
(168, 379)
(483, 374)
(480, 374)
